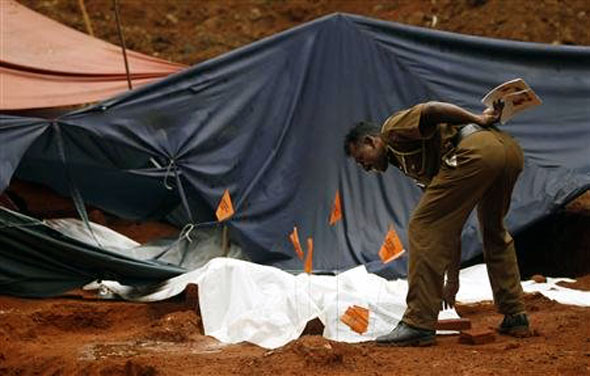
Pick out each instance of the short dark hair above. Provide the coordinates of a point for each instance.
(358, 131)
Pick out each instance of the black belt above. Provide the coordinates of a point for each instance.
(468, 130)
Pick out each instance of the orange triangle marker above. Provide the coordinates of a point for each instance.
(392, 247)
(309, 258)
(294, 238)
(357, 318)
(336, 213)
(225, 209)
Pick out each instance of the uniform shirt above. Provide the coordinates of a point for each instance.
(417, 155)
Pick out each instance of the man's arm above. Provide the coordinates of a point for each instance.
(434, 113)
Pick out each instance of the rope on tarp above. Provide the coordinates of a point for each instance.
(74, 192)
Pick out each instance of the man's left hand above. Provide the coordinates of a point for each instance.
(491, 116)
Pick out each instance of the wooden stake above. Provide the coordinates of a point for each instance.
(86, 18)
(225, 241)
(122, 43)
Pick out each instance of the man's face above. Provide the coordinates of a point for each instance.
(370, 153)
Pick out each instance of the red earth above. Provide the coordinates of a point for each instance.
(80, 334)
(77, 334)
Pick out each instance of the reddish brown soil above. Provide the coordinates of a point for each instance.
(41, 202)
(192, 31)
(582, 283)
(75, 335)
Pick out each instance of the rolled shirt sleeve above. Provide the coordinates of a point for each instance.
(405, 124)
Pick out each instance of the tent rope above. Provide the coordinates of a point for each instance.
(171, 165)
(186, 232)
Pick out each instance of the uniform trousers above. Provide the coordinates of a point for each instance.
(488, 165)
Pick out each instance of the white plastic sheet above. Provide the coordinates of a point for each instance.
(243, 301)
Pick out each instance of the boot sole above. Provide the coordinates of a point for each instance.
(423, 342)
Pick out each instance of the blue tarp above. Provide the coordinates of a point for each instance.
(267, 122)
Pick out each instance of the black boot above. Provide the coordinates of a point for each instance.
(515, 325)
(406, 335)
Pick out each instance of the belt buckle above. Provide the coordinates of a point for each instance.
(451, 161)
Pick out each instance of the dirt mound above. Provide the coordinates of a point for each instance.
(311, 352)
(582, 283)
(175, 327)
(83, 319)
(180, 31)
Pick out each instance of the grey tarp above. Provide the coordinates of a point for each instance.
(267, 122)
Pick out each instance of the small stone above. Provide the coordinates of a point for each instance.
(255, 14)
(539, 278)
(172, 18)
(511, 346)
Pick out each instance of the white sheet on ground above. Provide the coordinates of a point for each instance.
(475, 287)
(243, 301)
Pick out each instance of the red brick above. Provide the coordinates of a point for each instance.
(453, 324)
(477, 337)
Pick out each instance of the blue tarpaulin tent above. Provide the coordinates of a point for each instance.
(267, 122)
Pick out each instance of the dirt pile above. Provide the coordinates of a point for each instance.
(190, 31)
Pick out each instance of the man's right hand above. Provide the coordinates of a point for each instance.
(450, 290)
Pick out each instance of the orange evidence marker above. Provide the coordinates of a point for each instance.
(336, 213)
(225, 209)
(309, 257)
(357, 318)
(294, 238)
(392, 247)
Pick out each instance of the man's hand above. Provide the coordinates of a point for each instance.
(491, 116)
(450, 289)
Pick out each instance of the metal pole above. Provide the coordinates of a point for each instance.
(122, 43)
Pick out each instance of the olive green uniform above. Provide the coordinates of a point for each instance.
(481, 171)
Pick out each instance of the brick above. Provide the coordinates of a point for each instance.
(477, 337)
(453, 324)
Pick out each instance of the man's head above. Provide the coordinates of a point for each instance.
(364, 143)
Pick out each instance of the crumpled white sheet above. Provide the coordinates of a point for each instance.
(243, 301)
